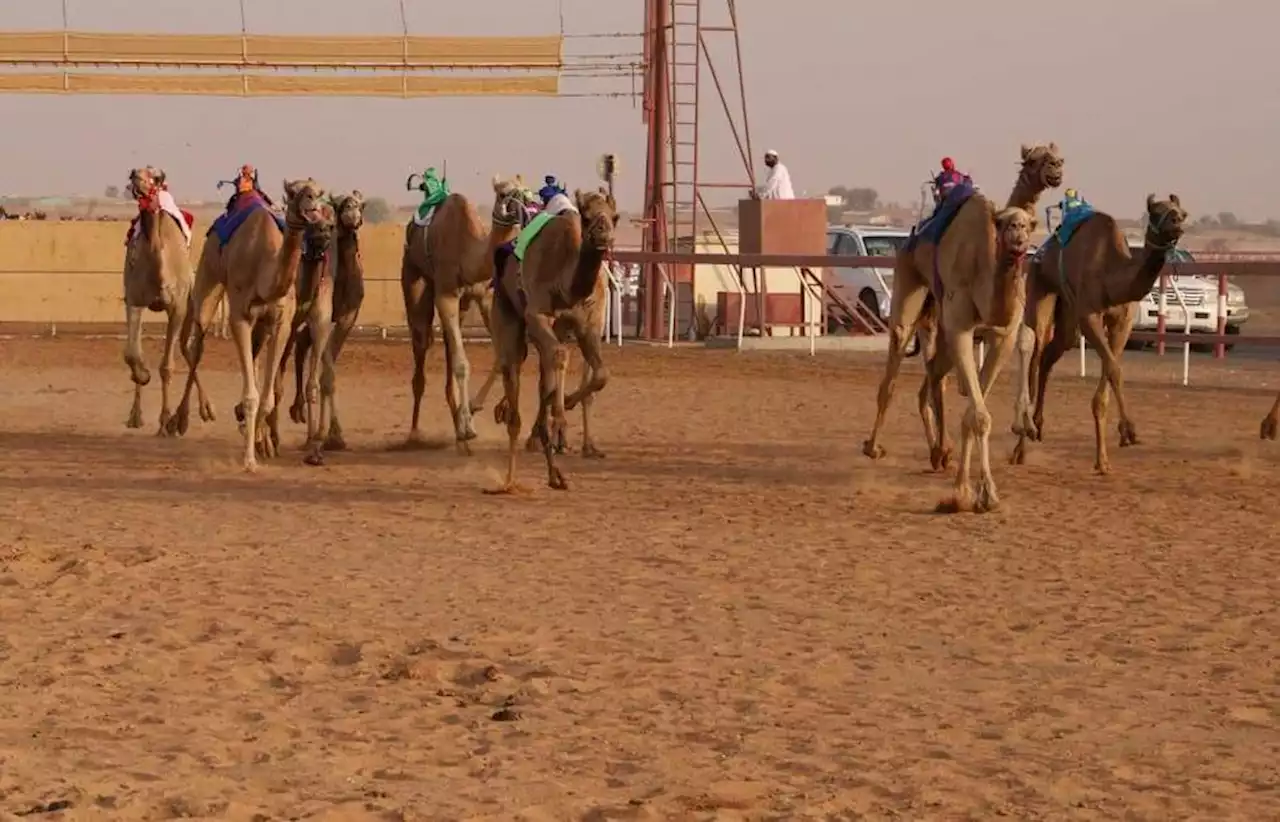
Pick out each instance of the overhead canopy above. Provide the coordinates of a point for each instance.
(347, 51)
(277, 85)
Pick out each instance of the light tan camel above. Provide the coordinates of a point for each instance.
(257, 269)
(1092, 286)
(157, 277)
(552, 297)
(918, 277)
(445, 268)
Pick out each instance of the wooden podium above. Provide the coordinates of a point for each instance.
(778, 227)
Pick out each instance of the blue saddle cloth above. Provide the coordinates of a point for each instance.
(1072, 219)
(227, 224)
(935, 225)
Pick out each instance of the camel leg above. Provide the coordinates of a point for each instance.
(1271, 422)
(1117, 339)
(1046, 355)
(485, 304)
(268, 411)
(320, 376)
(907, 304)
(552, 362)
(242, 336)
(1092, 329)
(420, 314)
(595, 376)
(932, 413)
(301, 343)
(204, 304)
(511, 348)
(334, 441)
(133, 358)
(1051, 321)
(176, 318)
(975, 426)
(457, 370)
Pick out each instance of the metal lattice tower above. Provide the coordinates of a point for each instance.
(682, 38)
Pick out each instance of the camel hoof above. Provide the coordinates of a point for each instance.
(463, 447)
(315, 458)
(335, 442)
(589, 451)
(557, 482)
(135, 419)
(987, 501)
(534, 443)
(1128, 435)
(1019, 455)
(873, 450)
(501, 412)
(510, 489)
(1102, 468)
(298, 413)
(177, 425)
(474, 407)
(1268, 430)
(940, 458)
(206, 412)
(957, 504)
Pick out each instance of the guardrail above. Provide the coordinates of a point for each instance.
(1222, 266)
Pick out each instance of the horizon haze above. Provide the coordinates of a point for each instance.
(1178, 96)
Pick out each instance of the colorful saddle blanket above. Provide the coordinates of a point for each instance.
(227, 224)
(935, 225)
(1072, 218)
(187, 217)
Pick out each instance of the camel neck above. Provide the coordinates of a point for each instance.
(349, 253)
(287, 261)
(1026, 193)
(587, 272)
(1140, 272)
(149, 227)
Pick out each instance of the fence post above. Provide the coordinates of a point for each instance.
(1163, 306)
(1219, 348)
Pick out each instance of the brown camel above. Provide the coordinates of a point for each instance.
(257, 269)
(446, 267)
(1271, 422)
(920, 274)
(551, 296)
(157, 277)
(1092, 286)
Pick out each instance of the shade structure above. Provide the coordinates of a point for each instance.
(277, 85)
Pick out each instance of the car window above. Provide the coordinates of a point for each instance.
(832, 237)
(883, 246)
(847, 246)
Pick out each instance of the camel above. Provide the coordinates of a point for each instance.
(157, 277)
(920, 277)
(1093, 285)
(348, 296)
(1271, 422)
(550, 291)
(447, 266)
(255, 260)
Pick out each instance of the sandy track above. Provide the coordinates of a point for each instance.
(734, 616)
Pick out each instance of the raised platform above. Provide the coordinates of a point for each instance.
(841, 342)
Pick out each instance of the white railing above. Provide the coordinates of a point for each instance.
(1163, 305)
(613, 306)
(811, 311)
(669, 291)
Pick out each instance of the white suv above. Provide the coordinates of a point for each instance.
(873, 287)
(1200, 293)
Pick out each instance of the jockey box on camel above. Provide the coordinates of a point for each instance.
(248, 198)
(148, 188)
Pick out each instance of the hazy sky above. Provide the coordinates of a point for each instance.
(1142, 95)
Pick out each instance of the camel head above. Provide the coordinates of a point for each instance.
(1042, 164)
(306, 204)
(350, 210)
(1013, 232)
(510, 203)
(143, 184)
(599, 217)
(1165, 220)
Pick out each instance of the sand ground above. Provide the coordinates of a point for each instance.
(735, 616)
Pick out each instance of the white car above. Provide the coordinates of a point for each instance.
(873, 287)
(1199, 293)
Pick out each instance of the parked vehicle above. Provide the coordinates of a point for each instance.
(1199, 293)
(873, 287)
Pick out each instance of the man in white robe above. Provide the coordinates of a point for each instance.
(777, 182)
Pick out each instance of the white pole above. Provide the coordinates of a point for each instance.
(1084, 370)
